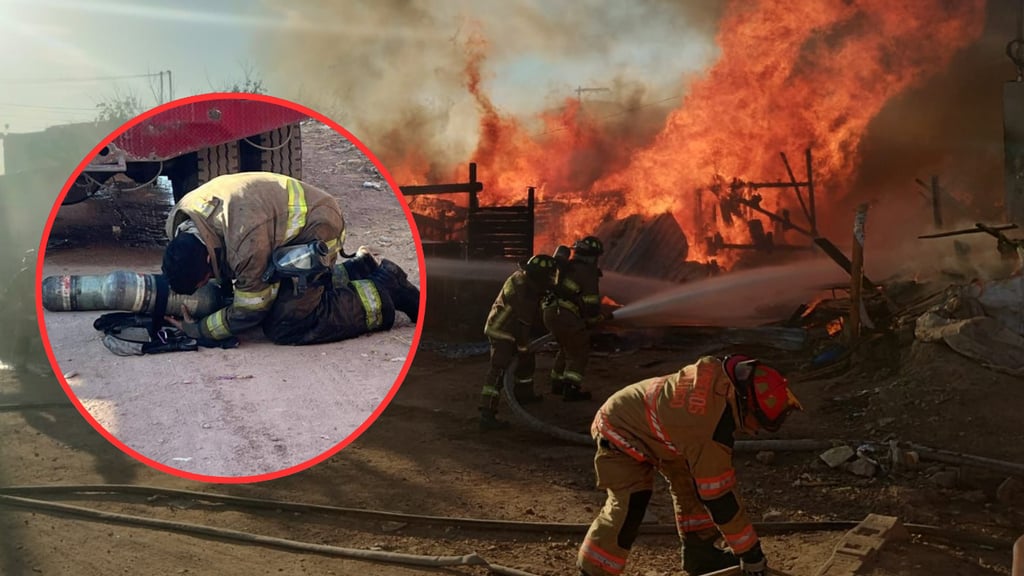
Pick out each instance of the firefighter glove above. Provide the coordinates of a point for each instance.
(188, 324)
(753, 562)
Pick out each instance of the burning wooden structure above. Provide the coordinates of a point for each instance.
(476, 232)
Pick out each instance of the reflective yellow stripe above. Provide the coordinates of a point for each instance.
(499, 334)
(501, 317)
(371, 303)
(491, 391)
(568, 283)
(296, 210)
(592, 299)
(216, 325)
(256, 300)
(573, 376)
(339, 276)
(569, 306)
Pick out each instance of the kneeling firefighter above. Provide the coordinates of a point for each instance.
(275, 242)
(682, 426)
(508, 329)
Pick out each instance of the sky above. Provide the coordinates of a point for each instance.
(58, 59)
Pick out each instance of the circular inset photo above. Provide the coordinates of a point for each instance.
(230, 288)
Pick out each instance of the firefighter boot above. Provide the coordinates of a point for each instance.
(405, 295)
(574, 392)
(489, 421)
(557, 384)
(362, 265)
(701, 556)
(524, 392)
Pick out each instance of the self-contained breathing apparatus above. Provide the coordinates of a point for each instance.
(302, 264)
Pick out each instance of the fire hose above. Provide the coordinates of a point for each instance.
(585, 440)
(748, 446)
(243, 502)
(471, 559)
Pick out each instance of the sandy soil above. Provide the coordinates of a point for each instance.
(253, 410)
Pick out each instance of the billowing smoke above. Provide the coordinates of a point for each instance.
(674, 93)
(394, 71)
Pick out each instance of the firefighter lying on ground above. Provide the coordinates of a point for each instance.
(275, 241)
(570, 311)
(508, 329)
(682, 426)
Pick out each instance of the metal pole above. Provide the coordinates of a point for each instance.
(936, 205)
(170, 86)
(796, 188)
(857, 272)
(162, 87)
(474, 202)
(810, 195)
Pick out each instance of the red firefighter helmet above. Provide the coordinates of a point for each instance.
(764, 393)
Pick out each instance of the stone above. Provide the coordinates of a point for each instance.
(975, 497)
(773, 516)
(835, 457)
(862, 467)
(1010, 491)
(766, 457)
(945, 478)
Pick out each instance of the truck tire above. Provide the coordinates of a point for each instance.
(218, 161)
(182, 182)
(281, 151)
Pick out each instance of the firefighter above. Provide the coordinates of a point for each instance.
(571, 310)
(682, 426)
(275, 241)
(508, 329)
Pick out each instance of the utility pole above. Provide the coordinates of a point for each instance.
(580, 90)
(170, 86)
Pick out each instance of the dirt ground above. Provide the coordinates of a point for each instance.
(257, 409)
(426, 456)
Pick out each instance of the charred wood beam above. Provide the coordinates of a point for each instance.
(787, 224)
(796, 186)
(838, 257)
(462, 188)
(810, 194)
(979, 229)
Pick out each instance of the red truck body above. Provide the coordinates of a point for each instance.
(201, 125)
(194, 143)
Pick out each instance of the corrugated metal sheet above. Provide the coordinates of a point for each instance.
(646, 247)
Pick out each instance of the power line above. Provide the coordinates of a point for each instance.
(92, 79)
(43, 107)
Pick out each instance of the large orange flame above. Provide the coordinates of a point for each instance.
(793, 75)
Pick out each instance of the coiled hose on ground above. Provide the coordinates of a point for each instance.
(780, 445)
